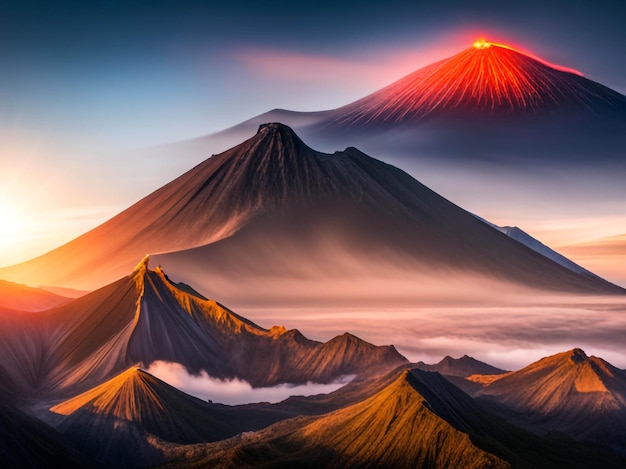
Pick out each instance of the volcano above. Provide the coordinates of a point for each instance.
(273, 215)
(486, 80)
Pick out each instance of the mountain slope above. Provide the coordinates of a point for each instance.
(584, 397)
(392, 429)
(367, 220)
(137, 397)
(417, 420)
(145, 317)
(272, 210)
(521, 236)
(114, 421)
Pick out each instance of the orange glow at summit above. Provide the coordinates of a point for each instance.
(481, 44)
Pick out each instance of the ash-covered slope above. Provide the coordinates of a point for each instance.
(145, 317)
(272, 210)
(584, 397)
(417, 420)
(19, 297)
(487, 80)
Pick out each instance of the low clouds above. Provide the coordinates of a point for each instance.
(506, 335)
(235, 391)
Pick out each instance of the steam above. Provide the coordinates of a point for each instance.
(235, 391)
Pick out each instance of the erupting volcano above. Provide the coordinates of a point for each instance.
(487, 79)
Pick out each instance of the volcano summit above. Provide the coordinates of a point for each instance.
(487, 80)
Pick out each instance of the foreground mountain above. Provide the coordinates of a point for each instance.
(114, 421)
(145, 317)
(18, 297)
(274, 215)
(418, 420)
(583, 397)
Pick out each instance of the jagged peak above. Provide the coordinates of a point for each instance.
(139, 274)
(143, 265)
(578, 355)
(277, 127)
(279, 131)
(156, 285)
(277, 330)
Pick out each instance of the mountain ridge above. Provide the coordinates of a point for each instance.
(144, 318)
(399, 425)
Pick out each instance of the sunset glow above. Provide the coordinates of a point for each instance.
(13, 223)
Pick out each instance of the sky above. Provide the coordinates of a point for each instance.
(86, 87)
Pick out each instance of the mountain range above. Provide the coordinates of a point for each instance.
(418, 420)
(144, 317)
(74, 360)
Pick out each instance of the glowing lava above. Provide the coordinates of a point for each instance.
(482, 44)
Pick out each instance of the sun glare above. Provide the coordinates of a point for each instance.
(482, 44)
(13, 225)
